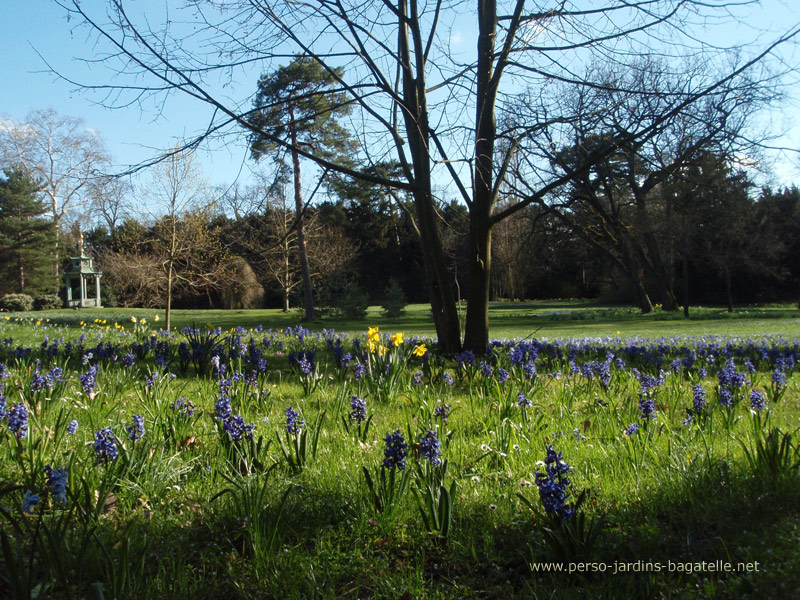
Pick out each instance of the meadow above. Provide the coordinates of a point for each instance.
(590, 452)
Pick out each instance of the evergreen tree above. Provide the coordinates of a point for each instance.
(297, 104)
(27, 237)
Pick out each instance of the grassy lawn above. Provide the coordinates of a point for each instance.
(676, 459)
(508, 320)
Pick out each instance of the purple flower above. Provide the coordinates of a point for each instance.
(631, 430)
(553, 485)
(88, 381)
(359, 371)
(72, 427)
(698, 398)
(396, 451)
(647, 406)
(442, 411)
(18, 420)
(757, 400)
(293, 421)
(522, 400)
(358, 409)
(184, 407)
(448, 378)
(136, 430)
(57, 482)
(502, 375)
(237, 428)
(105, 445)
(29, 501)
(431, 448)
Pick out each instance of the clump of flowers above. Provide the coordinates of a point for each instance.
(553, 484)
(237, 428)
(72, 427)
(396, 451)
(183, 407)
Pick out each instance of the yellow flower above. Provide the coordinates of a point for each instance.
(156, 318)
(420, 350)
(372, 334)
(142, 322)
(133, 319)
(382, 350)
(39, 322)
(371, 346)
(397, 339)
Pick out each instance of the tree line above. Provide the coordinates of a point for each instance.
(578, 116)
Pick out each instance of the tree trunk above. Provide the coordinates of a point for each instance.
(168, 318)
(726, 271)
(685, 283)
(308, 292)
(476, 328)
(415, 116)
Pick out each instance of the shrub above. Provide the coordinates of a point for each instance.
(394, 303)
(16, 302)
(345, 299)
(47, 302)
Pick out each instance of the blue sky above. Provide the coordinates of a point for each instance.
(38, 27)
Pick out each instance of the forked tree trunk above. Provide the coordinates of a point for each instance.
(415, 115)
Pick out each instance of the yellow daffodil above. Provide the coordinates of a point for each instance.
(133, 319)
(156, 318)
(142, 322)
(38, 322)
(397, 339)
(373, 335)
(371, 346)
(420, 350)
(382, 350)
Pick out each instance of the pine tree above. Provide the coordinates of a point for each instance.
(299, 105)
(27, 236)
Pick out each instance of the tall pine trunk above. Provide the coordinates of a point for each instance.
(308, 292)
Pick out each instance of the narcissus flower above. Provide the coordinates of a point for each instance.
(420, 350)
(397, 339)
(373, 335)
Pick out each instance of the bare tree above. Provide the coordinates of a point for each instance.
(110, 199)
(415, 99)
(60, 153)
(190, 255)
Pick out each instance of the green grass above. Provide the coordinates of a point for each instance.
(508, 320)
(159, 523)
